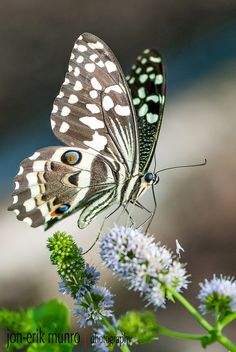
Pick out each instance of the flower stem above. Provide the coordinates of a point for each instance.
(179, 335)
(227, 320)
(203, 322)
(113, 330)
(125, 348)
(223, 340)
(226, 342)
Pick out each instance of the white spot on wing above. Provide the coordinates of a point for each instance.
(93, 94)
(28, 221)
(64, 127)
(55, 109)
(17, 212)
(92, 122)
(107, 103)
(76, 71)
(67, 81)
(29, 204)
(34, 156)
(65, 111)
(100, 63)
(115, 88)
(53, 124)
(73, 99)
(122, 110)
(98, 143)
(17, 185)
(60, 95)
(110, 66)
(39, 165)
(82, 48)
(93, 57)
(96, 85)
(97, 45)
(15, 199)
(78, 86)
(20, 170)
(80, 59)
(32, 178)
(93, 108)
(90, 67)
(34, 191)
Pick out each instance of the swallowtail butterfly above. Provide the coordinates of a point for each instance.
(110, 125)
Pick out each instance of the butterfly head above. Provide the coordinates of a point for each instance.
(151, 178)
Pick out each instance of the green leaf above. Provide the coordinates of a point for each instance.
(52, 316)
(50, 348)
(140, 326)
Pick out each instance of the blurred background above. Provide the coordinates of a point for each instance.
(197, 206)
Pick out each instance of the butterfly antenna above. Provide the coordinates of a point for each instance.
(155, 163)
(182, 166)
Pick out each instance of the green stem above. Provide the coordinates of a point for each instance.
(203, 322)
(125, 348)
(111, 328)
(227, 320)
(217, 315)
(179, 335)
(226, 342)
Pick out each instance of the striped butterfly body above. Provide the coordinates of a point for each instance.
(110, 126)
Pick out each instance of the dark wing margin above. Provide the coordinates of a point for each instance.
(147, 82)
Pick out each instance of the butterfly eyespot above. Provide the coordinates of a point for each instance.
(61, 210)
(71, 157)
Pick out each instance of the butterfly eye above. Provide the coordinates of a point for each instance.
(149, 177)
(61, 210)
(71, 157)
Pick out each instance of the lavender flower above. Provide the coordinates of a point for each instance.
(63, 288)
(218, 293)
(145, 266)
(94, 305)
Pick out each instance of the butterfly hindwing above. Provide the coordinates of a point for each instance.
(147, 84)
(94, 108)
(56, 181)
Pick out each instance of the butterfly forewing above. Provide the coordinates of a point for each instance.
(147, 83)
(94, 108)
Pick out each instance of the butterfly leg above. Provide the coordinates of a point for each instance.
(151, 213)
(101, 229)
(129, 215)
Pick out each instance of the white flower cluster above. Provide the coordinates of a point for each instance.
(220, 293)
(145, 266)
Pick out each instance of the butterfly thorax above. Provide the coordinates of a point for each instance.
(136, 185)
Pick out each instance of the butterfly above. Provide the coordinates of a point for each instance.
(110, 126)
